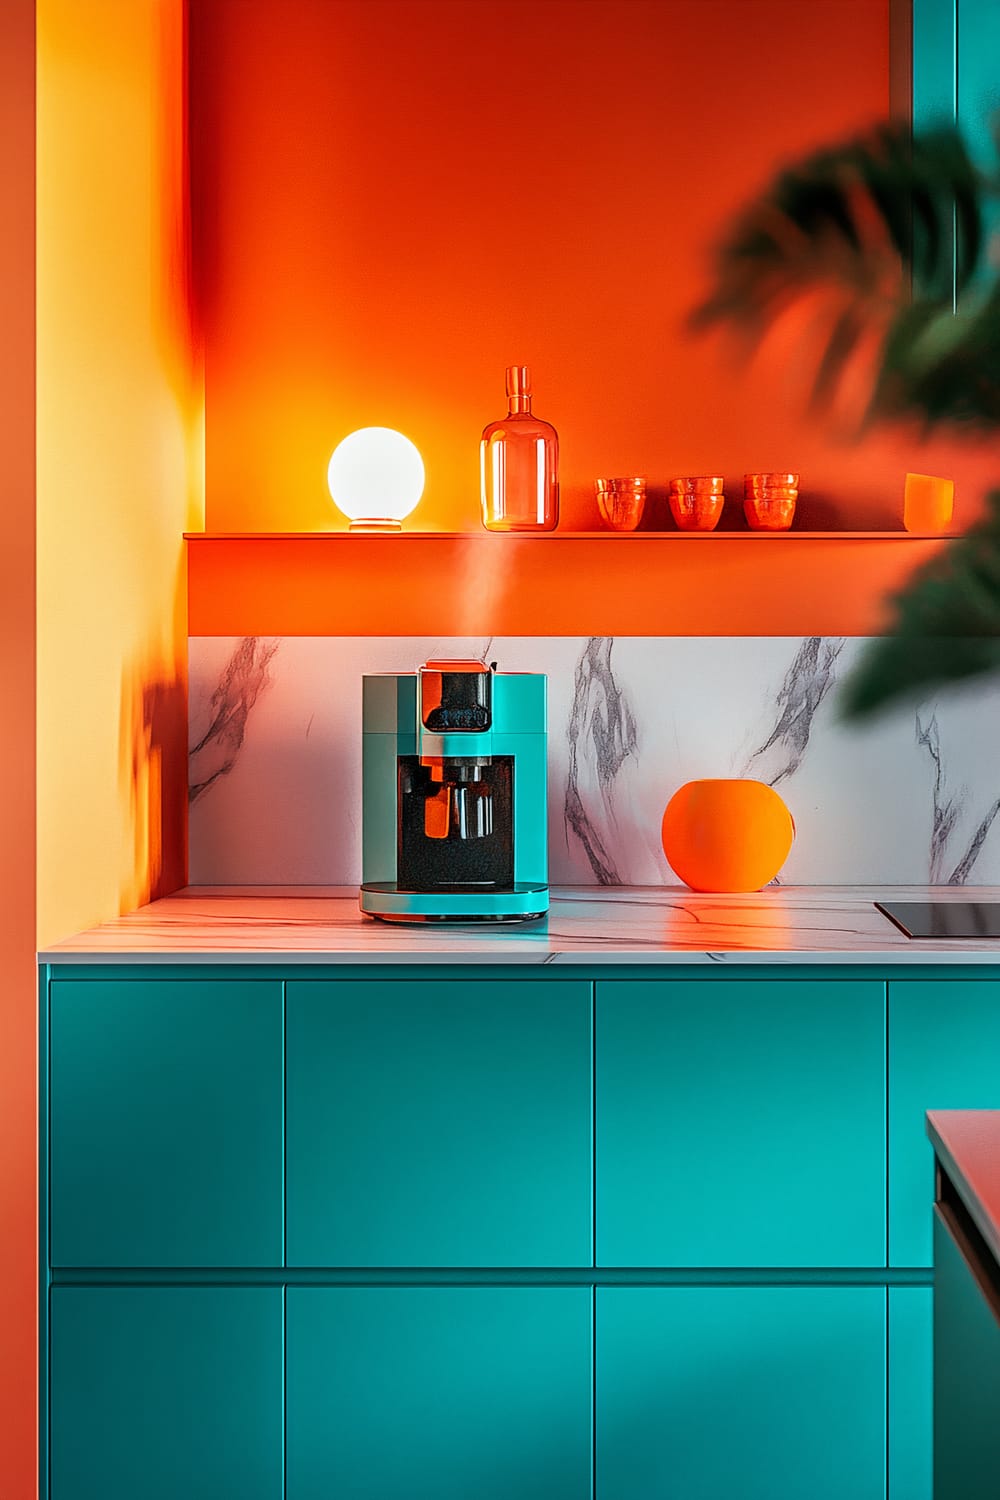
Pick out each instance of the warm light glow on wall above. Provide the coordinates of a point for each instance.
(120, 456)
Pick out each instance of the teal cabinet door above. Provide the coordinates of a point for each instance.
(164, 1392)
(954, 76)
(439, 1123)
(740, 1123)
(760, 1393)
(166, 1123)
(944, 1053)
(911, 1403)
(439, 1393)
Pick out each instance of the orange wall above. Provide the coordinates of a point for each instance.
(18, 991)
(119, 456)
(395, 198)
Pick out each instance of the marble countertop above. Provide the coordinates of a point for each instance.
(967, 1144)
(586, 925)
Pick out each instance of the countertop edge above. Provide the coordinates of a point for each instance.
(957, 1136)
(502, 955)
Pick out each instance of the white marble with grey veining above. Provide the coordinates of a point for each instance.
(913, 797)
(586, 926)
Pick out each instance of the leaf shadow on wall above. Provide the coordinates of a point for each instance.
(153, 782)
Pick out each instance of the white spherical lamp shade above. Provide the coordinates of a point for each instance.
(376, 477)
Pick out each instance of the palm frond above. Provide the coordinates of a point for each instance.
(946, 626)
(892, 228)
(873, 221)
(943, 368)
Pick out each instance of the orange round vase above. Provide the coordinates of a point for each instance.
(726, 835)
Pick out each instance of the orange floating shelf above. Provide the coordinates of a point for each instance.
(487, 583)
(493, 537)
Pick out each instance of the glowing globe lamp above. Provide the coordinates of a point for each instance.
(376, 477)
(727, 835)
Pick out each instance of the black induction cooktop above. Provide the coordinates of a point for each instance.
(944, 919)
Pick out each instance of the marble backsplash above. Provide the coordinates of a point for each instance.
(275, 766)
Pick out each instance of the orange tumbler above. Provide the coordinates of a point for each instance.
(928, 503)
(696, 502)
(769, 500)
(621, 502)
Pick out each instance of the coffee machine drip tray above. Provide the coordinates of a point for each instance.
(944, 919)
(519, 903)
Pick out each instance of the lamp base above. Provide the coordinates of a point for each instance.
(375, 523)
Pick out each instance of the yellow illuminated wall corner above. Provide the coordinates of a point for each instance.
(119, 455)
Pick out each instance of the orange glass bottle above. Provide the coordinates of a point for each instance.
(519, 464)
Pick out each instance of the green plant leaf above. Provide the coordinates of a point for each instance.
(946, 626)
(874, 222)
(892, 229)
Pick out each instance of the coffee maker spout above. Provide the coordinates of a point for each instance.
(475, 812)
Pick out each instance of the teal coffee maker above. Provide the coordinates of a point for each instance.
(453, 789)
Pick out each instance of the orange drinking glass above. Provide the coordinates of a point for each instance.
(769, 500)
(621, 502)
(696, 502)
(928, 503)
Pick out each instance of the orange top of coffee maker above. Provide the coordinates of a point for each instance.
(454, 666)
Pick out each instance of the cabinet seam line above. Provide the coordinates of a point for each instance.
(48, 1233)
(284, 1129)
(888, 1415)
(593, 1392)
(885, 1159)
(593, 1124)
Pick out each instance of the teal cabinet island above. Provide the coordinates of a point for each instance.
(966, 1303)
(576, 1211)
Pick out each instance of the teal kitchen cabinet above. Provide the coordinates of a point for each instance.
(764, 1392)
(164, 1392)
(439, 1393)
(966, 1360)
(439, 1123)
(911, 1403)
(954, 78)
(740, 1123)
(165, 1101)
(944, 1053)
